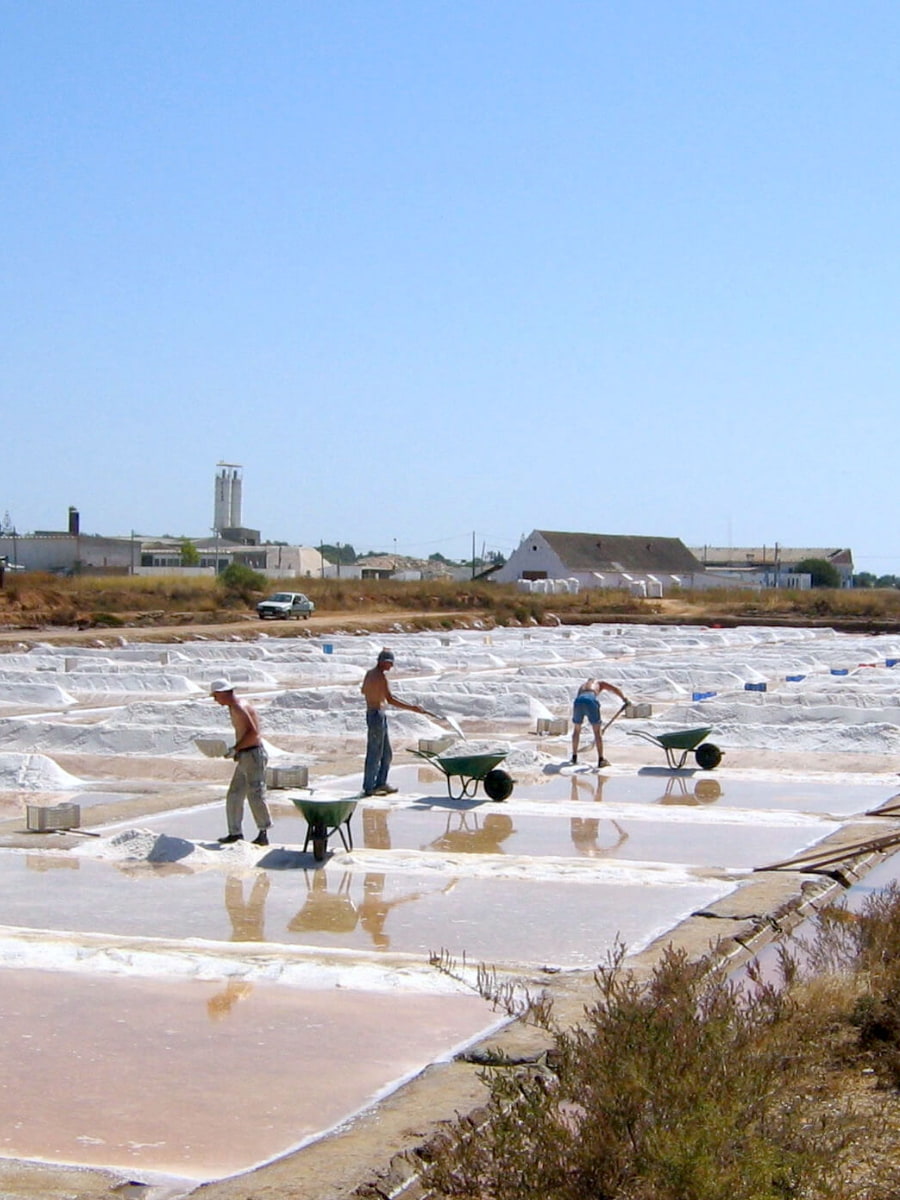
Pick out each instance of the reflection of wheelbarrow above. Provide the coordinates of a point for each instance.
(323, 817)
(472, 769)
(679, 745)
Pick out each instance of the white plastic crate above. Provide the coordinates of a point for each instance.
(287, 777)
(638, 710)
(435, 745)
(47, 817)
(552, 725)
(211, 747)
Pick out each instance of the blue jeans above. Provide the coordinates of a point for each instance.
(378, 750)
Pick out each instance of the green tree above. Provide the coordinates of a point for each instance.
(824, 574)
(344, 553)
(242, 582)
(887, 581)
(190, 555)
(865, 579)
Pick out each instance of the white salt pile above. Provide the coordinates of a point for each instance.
(33, 773)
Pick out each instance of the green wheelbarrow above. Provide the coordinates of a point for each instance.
(470, 770)
(323, 817)
(679, 745)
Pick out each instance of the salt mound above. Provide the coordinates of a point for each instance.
(33, 773)
(150, 846)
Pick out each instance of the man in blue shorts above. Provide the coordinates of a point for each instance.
(587, 708)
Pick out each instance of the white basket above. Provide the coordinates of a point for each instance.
(638, 710)
(44, 817)
(552, 725)
(435, 745)
(287, 777)
(211, 747)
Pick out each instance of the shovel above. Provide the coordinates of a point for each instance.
(451, 721)
(616, 714)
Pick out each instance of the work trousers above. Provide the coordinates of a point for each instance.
(248, 783)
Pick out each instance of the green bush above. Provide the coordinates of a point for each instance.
(241, 582)
(681, 1089)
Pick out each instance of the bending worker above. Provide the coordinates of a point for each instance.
(378, 744)
(249, 778)
(587, 707)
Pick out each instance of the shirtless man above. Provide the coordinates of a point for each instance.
(587, 707)
(249, 778)
(378, 696)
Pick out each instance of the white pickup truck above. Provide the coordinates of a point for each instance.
(285, 604)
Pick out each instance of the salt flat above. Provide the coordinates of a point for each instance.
(158, 987)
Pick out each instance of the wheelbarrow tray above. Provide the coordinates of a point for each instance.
(470, 769)
(684, 739)
(323, 817)
(679, 744)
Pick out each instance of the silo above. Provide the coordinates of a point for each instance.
(223, 501)
(228, 497)
(235, 509)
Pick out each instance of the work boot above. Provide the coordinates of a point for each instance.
(602, 762)
(261, 839)
(385, 790)
(231, 837)
(574, 759)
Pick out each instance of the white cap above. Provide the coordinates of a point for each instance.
(220, 685)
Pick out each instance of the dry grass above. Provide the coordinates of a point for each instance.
(35, 599)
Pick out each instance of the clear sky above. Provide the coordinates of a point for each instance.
(428, 269)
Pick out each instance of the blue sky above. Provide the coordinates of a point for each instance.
(433, 269)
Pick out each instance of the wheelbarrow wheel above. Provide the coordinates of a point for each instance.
(708, 756)
(498, 784)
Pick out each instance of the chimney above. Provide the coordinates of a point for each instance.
(74, 521)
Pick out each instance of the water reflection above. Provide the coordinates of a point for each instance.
(333, 912)
(376, 835)
(221, 1004)
(247, 916)
(465, 834)
(588, 787)
(43, 862)
(683, 790)
(586, 836)
(336, 912)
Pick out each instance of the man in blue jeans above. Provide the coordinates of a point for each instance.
(378, 744)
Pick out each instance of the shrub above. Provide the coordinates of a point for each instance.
(241, 582)
(681, 1088)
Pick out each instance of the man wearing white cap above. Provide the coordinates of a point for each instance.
(249, 778)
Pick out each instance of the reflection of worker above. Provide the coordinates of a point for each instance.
(247, 917)
(376, 835)
(587, 708)
(249, 778)
(374, 909)
(378, 696)
(221, 1004)
(585, 832)
(592, 785)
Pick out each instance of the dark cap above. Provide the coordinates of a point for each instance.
(386, 656)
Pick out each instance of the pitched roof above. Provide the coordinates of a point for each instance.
(760, 555)
(613, 552)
